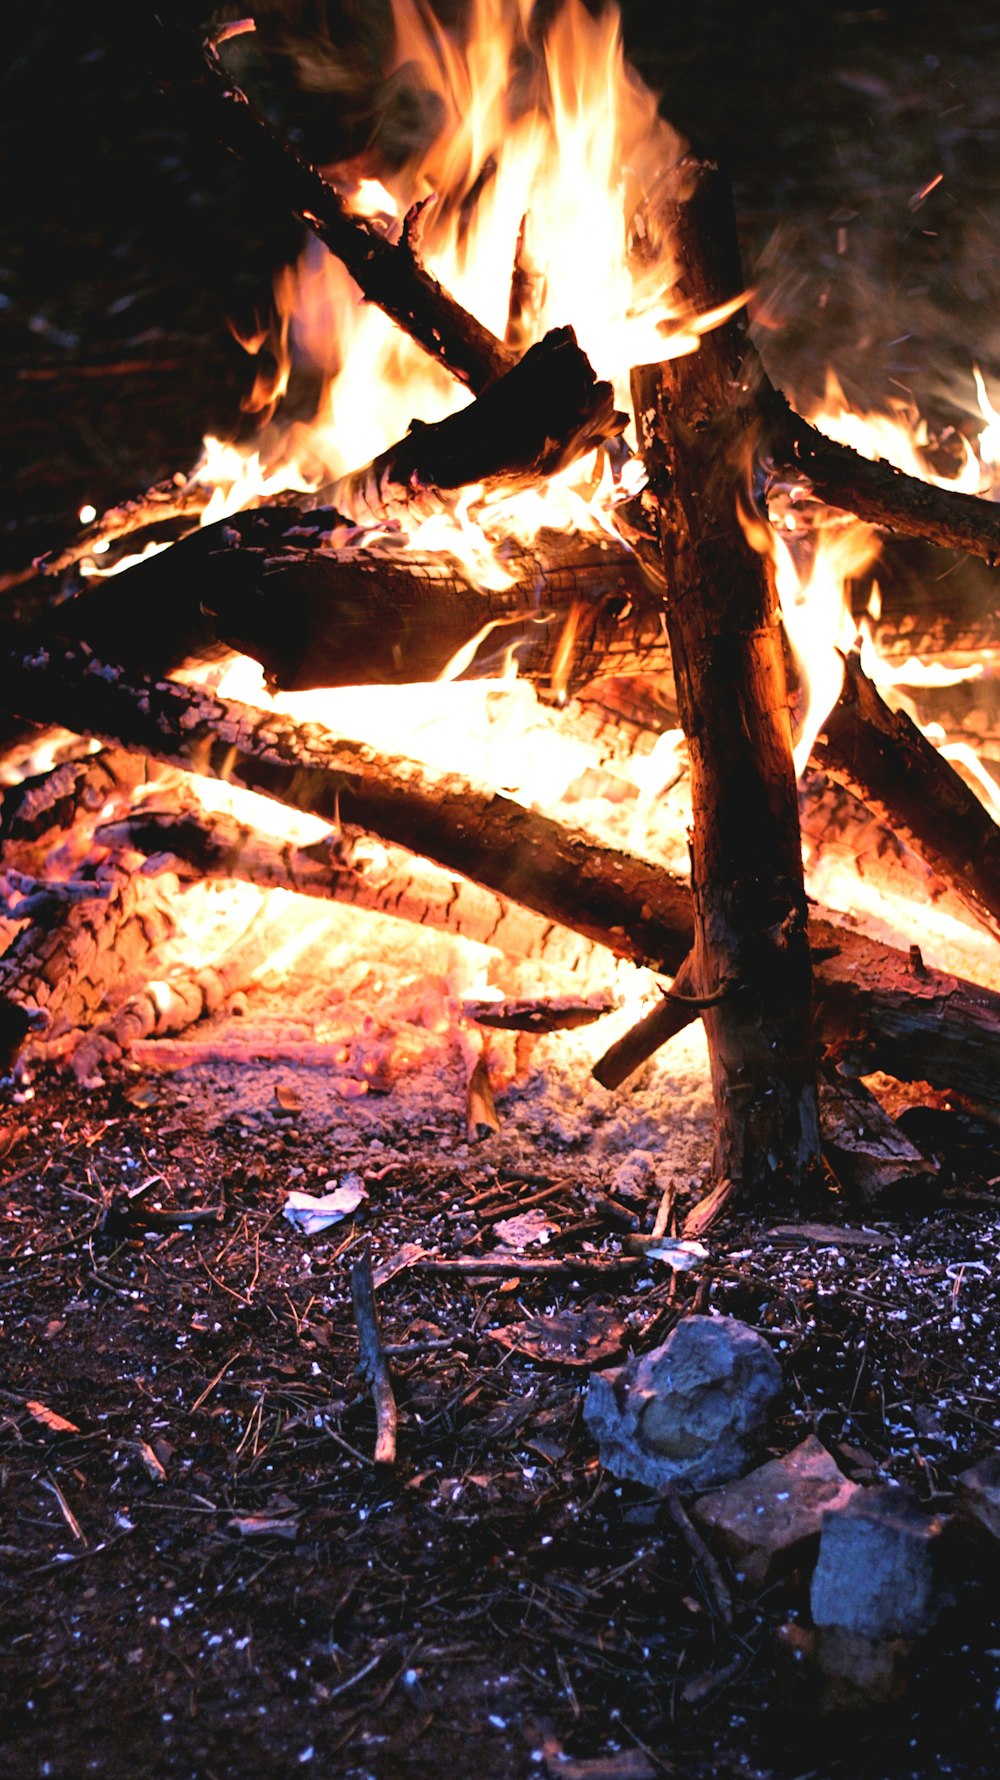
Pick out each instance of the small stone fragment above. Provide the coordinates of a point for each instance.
(877, 1566)
(691, 1412)
(770, 1520)
(979, 1494)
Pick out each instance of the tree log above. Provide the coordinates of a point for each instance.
(695, 433)
(177, 1000)
(60, 970)
(388, 274)
(885, 758)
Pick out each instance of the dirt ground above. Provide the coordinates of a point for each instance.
(203, 1572)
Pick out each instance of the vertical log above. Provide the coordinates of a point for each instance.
(696, 435)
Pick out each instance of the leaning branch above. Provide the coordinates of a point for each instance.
(388, 274)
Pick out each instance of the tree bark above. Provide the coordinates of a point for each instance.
(696, 437)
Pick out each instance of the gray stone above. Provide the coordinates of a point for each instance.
(979, 1494)
(691, 1412)
(770, 1520)
(876, 1572)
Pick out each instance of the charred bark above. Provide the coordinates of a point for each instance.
(58, 973)
(696, 435)
(876, 491)
(388, 274)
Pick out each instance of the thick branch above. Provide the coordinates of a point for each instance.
(695, 433)
(396, 883)
(541, 415)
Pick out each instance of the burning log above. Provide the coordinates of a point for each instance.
(58, 973)
(881, 1011)
(606, 895)
(42, 811)
(354, 617)
(885, 1010)
(542, 414)
(900, 775)
(176, 1000)
(876, 491)
(394, 883)
(180, 498)
(749, 899)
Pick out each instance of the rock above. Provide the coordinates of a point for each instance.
(979, 1494)
(859, 1671)
(876, 1569)
(692, 1412)
(771, 1520)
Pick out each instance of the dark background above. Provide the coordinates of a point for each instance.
(125, 243)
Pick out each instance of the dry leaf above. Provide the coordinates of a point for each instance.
(567, 1337)
(480, 1111)
(56, 1424)
(525, 1230)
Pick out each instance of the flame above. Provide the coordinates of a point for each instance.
(817, 555)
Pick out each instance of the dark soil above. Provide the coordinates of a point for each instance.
(496, 1598)
(205, 1573)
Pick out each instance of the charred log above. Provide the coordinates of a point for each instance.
(876, 491)
(388, 273)
(696, 436)
(901, 776)
(58, 973)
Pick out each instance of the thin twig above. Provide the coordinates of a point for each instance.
(715, 1588)
(372, 1365)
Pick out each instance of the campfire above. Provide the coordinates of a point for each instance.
(552, 626)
